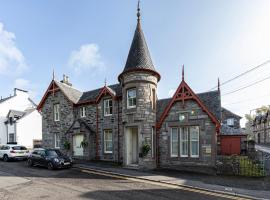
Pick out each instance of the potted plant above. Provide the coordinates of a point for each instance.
(145, 149)
(66, 145)
(84, 144)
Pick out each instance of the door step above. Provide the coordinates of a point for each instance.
(132, 166)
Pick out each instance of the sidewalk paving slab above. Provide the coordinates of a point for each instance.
(255, 187)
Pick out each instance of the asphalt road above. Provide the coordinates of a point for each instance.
(17, 181)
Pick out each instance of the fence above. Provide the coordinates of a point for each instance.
(241, 166)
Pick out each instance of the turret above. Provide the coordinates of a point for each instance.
(139, 84)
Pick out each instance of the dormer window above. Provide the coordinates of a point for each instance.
(82, 112)
(107, 107)
(230, 122)
(56, 112)
(131, 98)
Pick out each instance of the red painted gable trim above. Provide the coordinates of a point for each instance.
(184, 92)
(103, 92)
(51, 89)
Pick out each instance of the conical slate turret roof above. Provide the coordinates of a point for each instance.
(139, 58)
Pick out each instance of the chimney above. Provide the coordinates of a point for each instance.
(66, 80)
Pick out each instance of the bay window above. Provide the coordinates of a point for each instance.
(185, 140)
(194, 141)
(174, 142)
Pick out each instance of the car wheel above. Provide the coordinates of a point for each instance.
(50, 166)
(5, 158)
(30, 163)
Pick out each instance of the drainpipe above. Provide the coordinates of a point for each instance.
(97, 157)
(118, 132)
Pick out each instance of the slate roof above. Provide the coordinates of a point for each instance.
(227, 130)
(228, 111)
(210, 99)
(92, 95)
(73, 94)
(5, 99)
(139, 56)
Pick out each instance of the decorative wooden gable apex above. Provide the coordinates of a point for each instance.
(50, 90)
(105, 91)
(183, 93)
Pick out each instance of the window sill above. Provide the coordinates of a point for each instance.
(108, 152)
(109, 115)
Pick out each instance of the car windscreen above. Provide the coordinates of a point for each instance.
(53, 153)
(19, 148)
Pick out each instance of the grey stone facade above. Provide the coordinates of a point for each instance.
(207, 139)
(137, 139)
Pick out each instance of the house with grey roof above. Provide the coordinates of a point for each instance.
(20, 122)
(126, 122)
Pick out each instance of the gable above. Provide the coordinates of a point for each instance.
(70, 93)
(182, 94)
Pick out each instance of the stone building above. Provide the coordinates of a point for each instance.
(261, 129)
(127, 124)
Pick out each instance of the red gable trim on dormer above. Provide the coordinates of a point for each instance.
(105, 90)
(51, 90)
(184, 92)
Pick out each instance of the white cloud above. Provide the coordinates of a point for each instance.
(12, 60)
(87, 57)
(171, 92)
(25, 84)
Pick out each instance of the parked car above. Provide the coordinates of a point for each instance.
(50, 158)
(14, 152)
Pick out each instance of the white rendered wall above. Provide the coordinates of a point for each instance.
(18, 102)
(29, 128)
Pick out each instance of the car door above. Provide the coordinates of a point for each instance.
(1, 151)
(42, 159)
(36, 157)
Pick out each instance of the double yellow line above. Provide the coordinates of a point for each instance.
(159, 183)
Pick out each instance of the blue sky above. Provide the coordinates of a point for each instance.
(90, 39)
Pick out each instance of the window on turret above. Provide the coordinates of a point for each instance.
(131, 98)
(107, 107)
(56, 112)
(153, 99)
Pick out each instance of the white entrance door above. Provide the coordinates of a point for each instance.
(132, 145)
(77, 148)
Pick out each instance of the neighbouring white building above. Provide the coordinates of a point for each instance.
(20, 122)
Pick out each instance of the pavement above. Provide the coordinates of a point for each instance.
(17, 181)
(257, 188)
(263, 148)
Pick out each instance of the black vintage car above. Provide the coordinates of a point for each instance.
(50, 158)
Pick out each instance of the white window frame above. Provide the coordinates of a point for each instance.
(230, 122)
(107, 107)
(154, 99)
(105, 141)
(181, 141)
(57, 141)
(56, 112)
(171, 143)
(190, 144)
(82, 112)
(132, 106)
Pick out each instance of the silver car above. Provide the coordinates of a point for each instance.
(13, 152)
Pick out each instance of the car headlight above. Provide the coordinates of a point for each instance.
(56, 160)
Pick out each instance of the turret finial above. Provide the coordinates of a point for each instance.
(218, 85)
(138, 11)
(183, 73)
(105, 81)
(53, 75)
